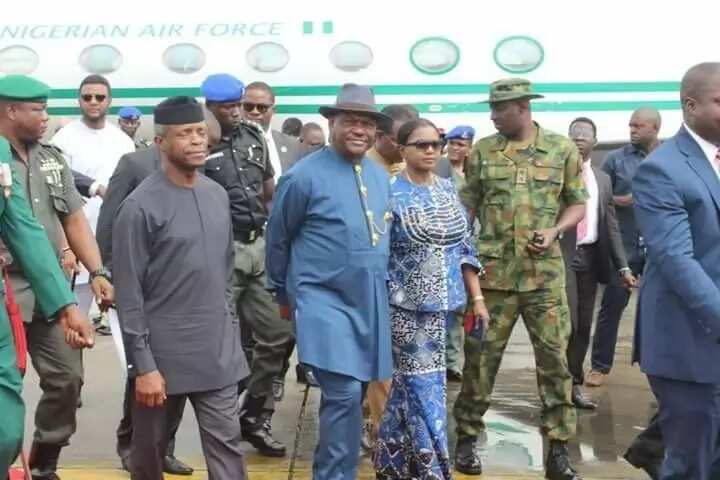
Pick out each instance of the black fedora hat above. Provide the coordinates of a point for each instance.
(357, 99)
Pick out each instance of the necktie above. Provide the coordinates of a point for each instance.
(583, 226)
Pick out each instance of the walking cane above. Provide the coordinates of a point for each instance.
(298, 432)
(311, 382)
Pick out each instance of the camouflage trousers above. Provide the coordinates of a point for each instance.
(547, 318)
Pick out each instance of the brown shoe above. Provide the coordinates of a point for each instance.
(595, 379)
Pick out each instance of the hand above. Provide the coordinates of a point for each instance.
(150, 389)
(629, 280)
(285, 312)
(101, 191)
(481, 313)
(546, 238)
(103, 291)
(79, 332)
(623, 200)
(69, 263)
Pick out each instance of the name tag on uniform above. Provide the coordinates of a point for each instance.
(521, 176)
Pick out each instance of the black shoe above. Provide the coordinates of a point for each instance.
(43, 461)
(650, 464)
(278, 388)
(300, 374)
(558, 466)
(454, 376)
(256, 431)
(580, 400)
(467, 456)
(174, 466)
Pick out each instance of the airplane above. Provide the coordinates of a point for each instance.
(600, 60)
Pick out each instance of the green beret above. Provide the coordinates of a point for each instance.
(23, 88)
(5, 155)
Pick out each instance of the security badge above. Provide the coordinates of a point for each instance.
(521, 176)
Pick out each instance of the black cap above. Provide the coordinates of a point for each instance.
(178, 111)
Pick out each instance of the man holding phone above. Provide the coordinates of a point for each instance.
(518, 182)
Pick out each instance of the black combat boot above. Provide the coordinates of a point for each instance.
(558, 466)
(467, 456)
(256, 428)
(44, 460)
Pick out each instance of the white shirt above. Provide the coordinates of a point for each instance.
(708, 148)
(592, 206)
(274, 155)
(95, 153)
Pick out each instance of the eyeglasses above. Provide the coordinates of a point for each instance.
(261, 107)
(88, 97)
(424, 145)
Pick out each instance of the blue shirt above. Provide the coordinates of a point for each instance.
(322, 261)
(429, 244)
(621, 165)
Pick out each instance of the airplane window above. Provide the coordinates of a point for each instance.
(435, 55)
(267, 57)
(184, 58)
(18, 59)
(351, 56)
(518, 54)
(101, 59)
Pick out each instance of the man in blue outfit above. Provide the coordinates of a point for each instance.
(327, 256)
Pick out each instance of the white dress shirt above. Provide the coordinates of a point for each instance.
(274, 155)
(592, 206)
(710, 150)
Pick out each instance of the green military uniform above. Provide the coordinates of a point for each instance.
(51, 195)
(29, 246)
(515, 191)
(142, 143)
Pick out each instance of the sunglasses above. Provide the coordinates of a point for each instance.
(260, 107)
(424, 145)
(98, 98)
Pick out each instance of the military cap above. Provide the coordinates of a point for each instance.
(23, 88)
(461, 132)
(5, 155)
(222, 87)
(129, 113)
(178, 111)
(511, 89)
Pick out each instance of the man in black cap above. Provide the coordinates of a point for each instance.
(173, 251)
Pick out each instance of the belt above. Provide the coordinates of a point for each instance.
(247, 236)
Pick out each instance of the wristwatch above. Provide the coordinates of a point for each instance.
(101, 272)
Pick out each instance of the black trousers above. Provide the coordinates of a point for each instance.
(125, 429)
(582, 285)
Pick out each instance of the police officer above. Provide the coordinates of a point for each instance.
(48, 183)
(241, 164)
(520, 179)
(129, 122)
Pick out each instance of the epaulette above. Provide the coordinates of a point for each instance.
(256, 126)
(52, 146)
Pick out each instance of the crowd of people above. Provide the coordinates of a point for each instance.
(225, 245)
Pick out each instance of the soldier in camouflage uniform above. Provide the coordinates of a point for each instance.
(519, 180)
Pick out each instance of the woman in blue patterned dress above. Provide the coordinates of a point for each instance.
(432, 263)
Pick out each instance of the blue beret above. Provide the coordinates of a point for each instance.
(222, 87)
(461, 132)
(129, 113)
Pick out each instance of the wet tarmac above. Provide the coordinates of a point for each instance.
(514, 447)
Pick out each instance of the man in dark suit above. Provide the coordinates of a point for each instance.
(677, 205)
(131, 170)
(259, 106)
(594, 252)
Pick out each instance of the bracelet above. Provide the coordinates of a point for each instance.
(478, 298)
(66, 249)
